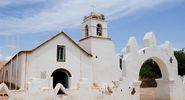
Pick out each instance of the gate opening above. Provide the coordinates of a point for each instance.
(149, 72)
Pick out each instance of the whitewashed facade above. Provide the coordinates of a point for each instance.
(61, 69)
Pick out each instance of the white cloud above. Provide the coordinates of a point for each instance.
(9, 2)
(59, 14)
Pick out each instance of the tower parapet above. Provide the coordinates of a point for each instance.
(94, 15)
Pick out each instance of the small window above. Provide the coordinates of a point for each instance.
(60, 53)
(120, 63)
(99, 30)
(86, 31)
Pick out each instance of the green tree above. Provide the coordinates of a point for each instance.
(150, 70)
(148, 73)
(180, 56)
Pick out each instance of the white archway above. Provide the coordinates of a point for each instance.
(134, 58)
(5, 90)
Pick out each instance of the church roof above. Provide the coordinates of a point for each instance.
(61, 33)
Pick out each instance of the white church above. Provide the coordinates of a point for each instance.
(60, 69)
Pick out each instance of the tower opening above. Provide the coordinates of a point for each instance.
(86, 31)
(99, 30)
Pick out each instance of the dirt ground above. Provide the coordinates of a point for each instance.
(147, 94)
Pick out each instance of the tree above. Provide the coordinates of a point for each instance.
(150, 70)
(148, 73)
(180, 56)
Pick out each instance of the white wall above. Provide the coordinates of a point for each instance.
(105, 63)
(15, 70)
(44, 59)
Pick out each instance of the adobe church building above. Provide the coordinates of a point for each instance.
(60, 69)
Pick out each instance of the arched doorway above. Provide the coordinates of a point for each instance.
(61, 76)
(152, 73)
(99, 30)
(148, 74)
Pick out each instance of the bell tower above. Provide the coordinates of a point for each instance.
(95, 40)
(94, 29)
(94, 25)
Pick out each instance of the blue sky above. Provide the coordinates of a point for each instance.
(24, 24)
